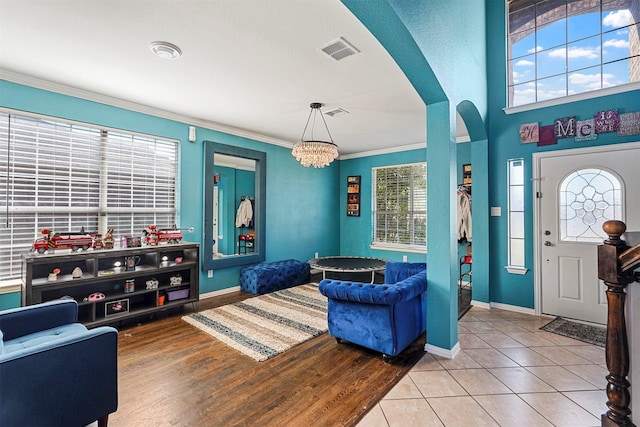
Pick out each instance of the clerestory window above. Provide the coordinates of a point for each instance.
(65, 176)
(558, 48)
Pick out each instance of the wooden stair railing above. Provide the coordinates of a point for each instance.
(616, 265)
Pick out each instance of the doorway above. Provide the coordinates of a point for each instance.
(575, 192)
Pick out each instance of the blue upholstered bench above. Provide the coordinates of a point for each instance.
(272, 276)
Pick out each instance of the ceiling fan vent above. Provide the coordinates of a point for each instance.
(336, 112)
(340, 49)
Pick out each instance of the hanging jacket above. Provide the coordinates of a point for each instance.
(245, 213)
(464, 216)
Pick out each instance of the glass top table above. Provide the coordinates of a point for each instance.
(348, 264)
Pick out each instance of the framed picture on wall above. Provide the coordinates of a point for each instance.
(466, 174)
(353, 195)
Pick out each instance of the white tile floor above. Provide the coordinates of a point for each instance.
(509, 373)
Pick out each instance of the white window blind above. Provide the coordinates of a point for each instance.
(400, 205)
(66, 176)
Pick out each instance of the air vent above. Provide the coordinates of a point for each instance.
(336, 112)
(340, 49)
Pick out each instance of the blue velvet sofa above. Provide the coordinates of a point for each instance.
(272, 276)
(382, 317)
(53, 371)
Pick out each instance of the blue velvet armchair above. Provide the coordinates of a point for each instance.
(385, 318)
(53, 370)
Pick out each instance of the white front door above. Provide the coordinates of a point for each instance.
(577, 191)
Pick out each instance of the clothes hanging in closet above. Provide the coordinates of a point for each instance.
(245, 213)
(464, 215)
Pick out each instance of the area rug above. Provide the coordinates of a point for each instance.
(264, 326)
(587, 333)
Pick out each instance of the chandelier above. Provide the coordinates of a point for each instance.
(312, 152)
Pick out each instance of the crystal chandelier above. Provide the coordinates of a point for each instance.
(311, 152)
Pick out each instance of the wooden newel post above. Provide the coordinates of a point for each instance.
(617, 347)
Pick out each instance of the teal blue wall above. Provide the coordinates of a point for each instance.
(451, 36)
(440, 46)
(9, 300)
(291, 189)
(504, 144)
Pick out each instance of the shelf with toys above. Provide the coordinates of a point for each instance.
(112, 284)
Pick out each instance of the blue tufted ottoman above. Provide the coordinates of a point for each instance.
(272, 276)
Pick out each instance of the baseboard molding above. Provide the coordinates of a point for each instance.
(220, 292)
(481, 304)
(507, 307)
(443, 352)
(515, 308)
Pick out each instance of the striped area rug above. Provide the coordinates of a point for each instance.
(264, 326)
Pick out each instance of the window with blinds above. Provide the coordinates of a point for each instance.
(400, 206)
(66, 176)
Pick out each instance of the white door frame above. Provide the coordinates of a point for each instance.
(537, 234)
(216, 218)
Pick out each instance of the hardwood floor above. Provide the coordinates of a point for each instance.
(171, 373)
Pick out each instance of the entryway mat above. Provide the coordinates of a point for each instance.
(586, 333)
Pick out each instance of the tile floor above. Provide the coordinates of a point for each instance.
(508, 373)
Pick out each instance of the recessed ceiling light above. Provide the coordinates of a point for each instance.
(165, 50)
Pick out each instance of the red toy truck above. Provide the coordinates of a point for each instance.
(66, 240)
(154, 236)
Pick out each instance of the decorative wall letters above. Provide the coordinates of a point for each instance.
(529, 133)
(547, 135)
(607, 121)
(581, 130)
(629, 124)
(586, 130)
(565, 127)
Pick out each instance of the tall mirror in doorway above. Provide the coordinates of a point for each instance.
(234, 217)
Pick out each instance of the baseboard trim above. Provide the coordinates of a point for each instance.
(443, 352)
(481, 304)
(220, 292)
(515, 308)
(507, 307)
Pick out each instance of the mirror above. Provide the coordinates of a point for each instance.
(234, 216)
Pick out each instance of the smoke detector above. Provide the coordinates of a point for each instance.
(340, 49)
(165, 50)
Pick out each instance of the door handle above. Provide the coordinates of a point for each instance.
(547, 243)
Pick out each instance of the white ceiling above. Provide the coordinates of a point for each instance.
(248, 66)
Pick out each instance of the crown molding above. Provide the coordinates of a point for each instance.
(416, 146)
(62, 89)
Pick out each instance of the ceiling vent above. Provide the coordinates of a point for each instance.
(336, 112)
(339, 49)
